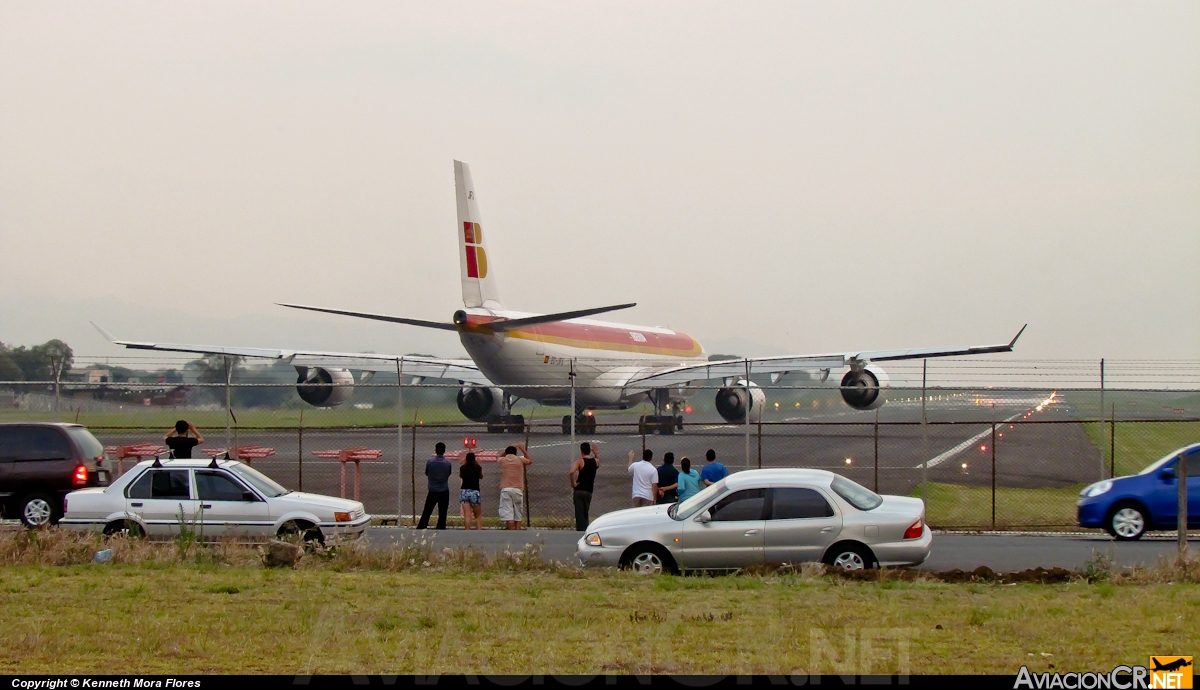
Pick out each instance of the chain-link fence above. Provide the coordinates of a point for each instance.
(983, 458)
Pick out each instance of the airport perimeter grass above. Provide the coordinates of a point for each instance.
(1140, 443)
(180, 608)
(950, 506)
(151, 619)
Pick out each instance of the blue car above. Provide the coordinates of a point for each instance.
(1126, 507)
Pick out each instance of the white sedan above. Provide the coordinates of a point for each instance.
(764, 516)
(214, 499)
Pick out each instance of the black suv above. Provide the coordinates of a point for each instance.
(41, 463)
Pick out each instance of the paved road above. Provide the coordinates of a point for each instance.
(1000, 552)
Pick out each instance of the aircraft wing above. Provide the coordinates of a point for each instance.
(412, 365)
(666, 377)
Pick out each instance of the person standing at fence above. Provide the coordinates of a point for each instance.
(438, 470)
(183, 438)
(713, 471)
(512, 484)
(645, 479)
(469, 501)
(668, 479)
(689, 480)
(583, 480)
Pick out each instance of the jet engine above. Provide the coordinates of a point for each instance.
(731, 402)
(480, 404)
(863, 390)
(324, 387)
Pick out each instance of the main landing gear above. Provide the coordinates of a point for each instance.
(661, 422)
(507, 424)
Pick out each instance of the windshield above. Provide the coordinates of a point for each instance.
(684, 510)
(855, 494)
(1166, 459)
(88, 445)
(260, 481)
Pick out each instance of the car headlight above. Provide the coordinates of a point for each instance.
(592, 539)
(342, 517)
(1098, 488)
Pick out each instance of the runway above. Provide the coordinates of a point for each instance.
(1043, 449)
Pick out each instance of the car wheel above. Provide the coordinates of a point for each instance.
(648, 559)
(307, 532)
(1127, 522)
(38, 510)
(128, 528)
(851, 557)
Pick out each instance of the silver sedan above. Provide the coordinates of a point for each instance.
(764, 516)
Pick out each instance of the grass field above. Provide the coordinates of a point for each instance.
(151, 619)
(182, 608)
(1140, 443)
(956, 505)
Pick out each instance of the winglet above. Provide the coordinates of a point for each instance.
(1018, 335)
(109, 336)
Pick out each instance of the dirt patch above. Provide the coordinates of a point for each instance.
(981, 574)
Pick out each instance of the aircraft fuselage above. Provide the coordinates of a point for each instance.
(535, 362)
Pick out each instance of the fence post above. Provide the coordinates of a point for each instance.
(300, 452)
(1112, 443)
(228, 404)
(400, 438)
(749, 407)
(760, 443)
(924, 440)
(524, 468)
(993, 467)
(876, 450)
(1181, 523)
(412, 475)
(574, 418)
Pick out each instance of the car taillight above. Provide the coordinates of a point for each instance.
(80, 476)
(915, 530)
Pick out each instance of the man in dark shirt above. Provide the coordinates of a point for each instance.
(668, 479)
(438, 470)
(182, 439)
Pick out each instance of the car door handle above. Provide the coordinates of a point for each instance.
(206, 506)
(751, 532)
(826, 529)
(136, 505)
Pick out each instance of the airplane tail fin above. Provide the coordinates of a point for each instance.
(478, 282)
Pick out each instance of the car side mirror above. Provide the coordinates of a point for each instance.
(703, 517)
(249, 496)
(1166, 474)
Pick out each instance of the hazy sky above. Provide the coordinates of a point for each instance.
(807, 177)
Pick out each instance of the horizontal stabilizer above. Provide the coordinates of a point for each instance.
(377, 317)
(514, 324)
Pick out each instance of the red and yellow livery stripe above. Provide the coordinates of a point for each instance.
(597, 337)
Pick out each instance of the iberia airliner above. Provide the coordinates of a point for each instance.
(517, 354)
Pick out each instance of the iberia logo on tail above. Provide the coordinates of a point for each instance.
(476, 256)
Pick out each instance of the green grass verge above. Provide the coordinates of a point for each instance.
(1140, 443)
(957, 505)
(151, 619)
